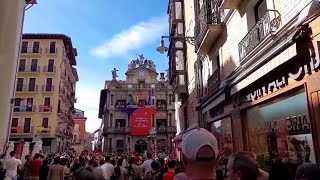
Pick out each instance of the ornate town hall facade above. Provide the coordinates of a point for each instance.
(137, 113)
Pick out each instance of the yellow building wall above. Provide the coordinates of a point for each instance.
(40, 81)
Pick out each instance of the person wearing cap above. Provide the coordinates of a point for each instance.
(308, 171)
(199, 152)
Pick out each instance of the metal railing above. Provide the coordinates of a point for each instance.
(29, 69)
(121, 104)
(144, 86)
(47, 88)
(45, 108)
(31, 50)
(268, 24)
(42, 130)
(49, 69)
(27, 88)
(214, 81)
(22, 130)
(24, 108)
(51, 50)
(210, 13)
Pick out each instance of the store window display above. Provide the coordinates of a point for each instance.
(280, 129)
(222, 130)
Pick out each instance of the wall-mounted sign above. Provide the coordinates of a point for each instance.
(279, 83)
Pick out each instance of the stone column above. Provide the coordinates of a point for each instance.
(11, 22)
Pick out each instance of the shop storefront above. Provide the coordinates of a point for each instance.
(274, 110)
(280, 129)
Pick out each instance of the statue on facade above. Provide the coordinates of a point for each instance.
(114, 74)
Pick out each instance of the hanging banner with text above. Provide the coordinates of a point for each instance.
(141, 121)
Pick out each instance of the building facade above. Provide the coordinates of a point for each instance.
(257, 76)
(45, 91)
(80, 137)
(11, 20)
(138, 113)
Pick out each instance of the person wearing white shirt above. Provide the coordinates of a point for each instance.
(107, 169)
(12, 165)
(146, 165)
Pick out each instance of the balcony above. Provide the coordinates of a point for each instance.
(40, 130)
(161, 105)
(49, 69)
(21, 131)
(31, 50)
(47, 88)
(208, 26)
(65, 97)
(121, 104)
(213, 82)
(24, 109)
(45, 109)
(144, 86)
(64, 115)
(161, 129)
(61, 132)
(27, 88)
(29, 69)
(171, 129)
(232, 4)
(117, 130)
(267, 25)
(51, 51)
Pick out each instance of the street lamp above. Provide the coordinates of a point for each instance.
(162, 48)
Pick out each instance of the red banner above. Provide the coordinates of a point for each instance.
(141, 121)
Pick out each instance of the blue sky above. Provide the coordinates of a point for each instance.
(107, 34)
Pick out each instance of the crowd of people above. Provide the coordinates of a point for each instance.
(199, 160)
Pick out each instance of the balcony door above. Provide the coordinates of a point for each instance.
(27, 125)
(17, 104)
(49, 84)
(22, 65)
(45, 122)
(24, 47)
(14, 125)
(34, 65)
(19, 84)
(50, 65)
(29, 104)
(47, 104)
(36, 47)
(32, 84)
(52, 47)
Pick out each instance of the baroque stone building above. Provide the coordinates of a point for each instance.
(138, 113)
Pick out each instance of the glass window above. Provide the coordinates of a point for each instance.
(222, 130)
(280, 129)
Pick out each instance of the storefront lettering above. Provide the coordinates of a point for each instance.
(283, 81)
(293, 125)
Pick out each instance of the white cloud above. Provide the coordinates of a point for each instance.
(88, 97)
(135, 37)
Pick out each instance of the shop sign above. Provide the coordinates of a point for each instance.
(283, 81)
(294, 125)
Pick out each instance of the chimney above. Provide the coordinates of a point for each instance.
(162, 77)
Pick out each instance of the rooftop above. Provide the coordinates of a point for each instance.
(71, 52)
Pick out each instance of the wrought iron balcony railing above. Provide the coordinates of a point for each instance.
(268, 24)
(214, 81)
(31, 50)
(29, 69)
(27, 88)
(50, 69)
(210, 14)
